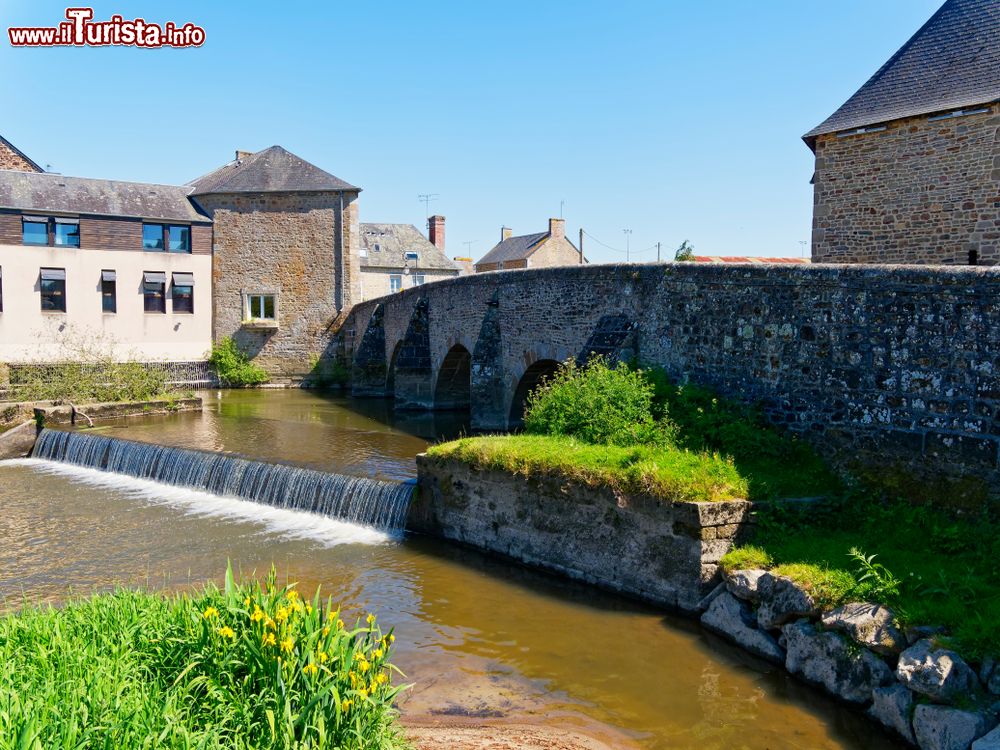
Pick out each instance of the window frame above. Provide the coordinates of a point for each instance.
(186, 308)
(248, 306)
(422, 279)
(395, 280)
(149, 293)
(59, 294)
(113, 296)
(56, 223)
(165, 237)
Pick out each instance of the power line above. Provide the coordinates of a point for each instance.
(618, 250)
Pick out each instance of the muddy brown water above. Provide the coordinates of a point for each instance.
(479, 639)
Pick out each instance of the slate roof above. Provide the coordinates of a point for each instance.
(273, 170)
(20, 153)
(952, 62)
(44, 192)
(513, 248)
(393, 241)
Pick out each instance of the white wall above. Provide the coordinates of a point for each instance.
(28, 334)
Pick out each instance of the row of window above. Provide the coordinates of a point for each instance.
(396, 281)
(52, 283)
(47, 231)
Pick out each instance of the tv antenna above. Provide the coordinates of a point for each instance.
(427, 198)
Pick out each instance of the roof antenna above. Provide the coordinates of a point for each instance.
(427, 198)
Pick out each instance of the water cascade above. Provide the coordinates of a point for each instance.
(370, 502)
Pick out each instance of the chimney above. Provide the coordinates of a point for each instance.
(505, 233)
(241, 155)
(557, 228)
(435, 231)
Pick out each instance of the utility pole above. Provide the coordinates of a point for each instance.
(803, 244)
(657, 252)
(581, 246)
(627, 232)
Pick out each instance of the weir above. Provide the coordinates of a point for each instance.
(359, 500)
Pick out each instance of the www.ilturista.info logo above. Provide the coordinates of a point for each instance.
(80, 30)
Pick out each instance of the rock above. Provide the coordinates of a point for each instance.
(784, 601)
(871, 625)
(989, 675)
(916, 633)
(993, 684)
(17, 442)
(710, 597)
(938, 673)
(828, 660)
(943, 728)
(892, 707)
(745, 583)
(989, 741)
(733, 619)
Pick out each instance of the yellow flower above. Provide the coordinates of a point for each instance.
(331, 616)
(321, 655)
(345, 705)
(363, 691)
(258, 615)
(282, 614)
(268, 622)
(354, 678)
(392, 638)
(363, 665)
(340, 624)
(309, 608)
(326, 630)
(227, 632)
(287, 645)
(210, 612)
(292, 595)
(246, 602)
(268, 639)
(382, 678)
(310, 669)
(370, 619)
(377, 653)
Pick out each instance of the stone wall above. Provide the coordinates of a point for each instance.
(663, 553)
(286, 244)
(896, 368)
(921, 191)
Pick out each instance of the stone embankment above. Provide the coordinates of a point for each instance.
(905, 680)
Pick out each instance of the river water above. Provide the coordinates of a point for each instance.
(480, 639)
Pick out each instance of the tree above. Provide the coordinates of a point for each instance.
(684, 252)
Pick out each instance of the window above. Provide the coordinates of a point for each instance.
(179, 238)
(152, 236)
(395, 283)
(412, 255)
(34, 230)
(260, 307)
(418, 279)
(109, 292)
(67, 232)
(183, 293)
(154, 291)
(53, 287)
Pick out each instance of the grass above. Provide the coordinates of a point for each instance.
(245, 667)
(672, 474)
(932, 567)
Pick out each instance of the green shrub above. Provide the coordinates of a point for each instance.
(233, 367)
(247, 667)
(88, 382)
(597, 404)
(327, 372)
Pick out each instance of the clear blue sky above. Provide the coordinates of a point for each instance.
(680, 120)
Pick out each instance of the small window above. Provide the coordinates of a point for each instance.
(152, 237)
(260, 307)
(973, 257)
(183, 293)
(377, 248)
(67, 233)
(412, 255)
(35, 230)
(109, 292)
(395, 283)
(418, 279)
(179, 238)
(53, 287)
(154, 292)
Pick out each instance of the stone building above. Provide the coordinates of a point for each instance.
(541, 250)
(908, 169)
(13, 158)
(286, 255)
(397, 256)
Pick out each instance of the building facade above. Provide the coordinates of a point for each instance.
(908, 169)
(395, 257)
(541, 250)
(88, 264)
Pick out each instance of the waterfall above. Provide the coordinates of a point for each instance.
(355, 499)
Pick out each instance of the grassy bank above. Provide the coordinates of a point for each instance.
(247, 667)
(673, 474)
(931, 567)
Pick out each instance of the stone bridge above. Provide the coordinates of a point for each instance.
(881, 362)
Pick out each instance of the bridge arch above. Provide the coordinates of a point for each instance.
(536, 373)
(453, 388)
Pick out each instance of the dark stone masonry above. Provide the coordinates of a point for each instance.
(896, 368)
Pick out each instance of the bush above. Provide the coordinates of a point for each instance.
(597, 404)
(246, 667)
(233, 367)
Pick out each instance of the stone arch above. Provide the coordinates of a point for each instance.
(369, 368)
(534, 375)
(453, 390)
(413, 384)
(489, 392)
(390, 374)
(613, 338)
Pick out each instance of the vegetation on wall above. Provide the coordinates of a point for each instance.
(326, 372)
(246, 667)
(233, 367)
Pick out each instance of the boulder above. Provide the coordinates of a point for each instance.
(938, 673)
(710, 597)
(17, 442)
(871, 625)
(733, 619)
(827, 659)
(989, 741)
(944, 728)
(892, 707)
(783, 601)
(916, 633)
(745, 584)
(989, 675)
